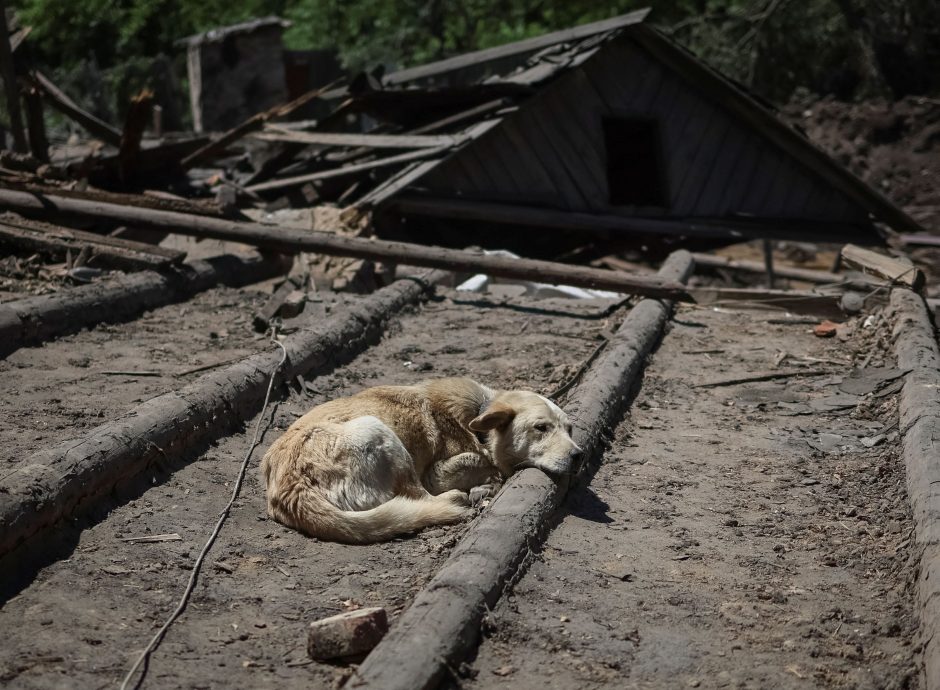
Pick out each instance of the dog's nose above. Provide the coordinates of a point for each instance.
(574, 456)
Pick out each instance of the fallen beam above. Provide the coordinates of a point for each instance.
(916, 349)
(794, 301)
(608, 225)
(112, 252)
(65, 105)
(886, 267)
(806, 275)
(443, 622)
(372, 141)
(33, 320)
(56, 483)
(292, 240)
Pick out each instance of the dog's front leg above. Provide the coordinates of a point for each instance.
(463, 472)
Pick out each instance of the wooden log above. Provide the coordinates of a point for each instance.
(57, 99)
(10, 86)
(804, 274)
(916, 349)
(199, 207)
(107, 251)
(32, 320)
(895, 271)
(443, 622)
(56, 483)
(290, 240)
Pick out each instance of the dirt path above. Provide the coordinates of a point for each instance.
(82, 620)
(729, 539)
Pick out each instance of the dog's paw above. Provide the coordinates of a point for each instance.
(478, 494)
(457, 497)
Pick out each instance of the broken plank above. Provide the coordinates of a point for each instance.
(292, 240)
(65, 105)
(807, 275)
(378, 141)
(795, 301)
(891, 269)
(346, 170)
(767, 376)
(138, 116)
(107, 251)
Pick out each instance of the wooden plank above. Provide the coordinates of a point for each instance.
(709, 199)
(758, 188)
(526, 123)
(136, 121)
(694, 180)
(36, 124)
(395, 184)
(502, 171)
(787, 139)
(529, 45)
(535, 159)
(891, 269)
(793, 272)
(287, 182)
(739, 179)
(373, 141)
(65, 105)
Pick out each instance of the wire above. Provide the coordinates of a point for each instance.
(155, 641)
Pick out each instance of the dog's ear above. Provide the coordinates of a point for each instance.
(496, 416)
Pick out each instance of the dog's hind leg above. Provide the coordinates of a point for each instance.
(460, 472)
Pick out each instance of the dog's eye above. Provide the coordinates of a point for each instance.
(542, 428)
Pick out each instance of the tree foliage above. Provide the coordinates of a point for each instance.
(846, 47)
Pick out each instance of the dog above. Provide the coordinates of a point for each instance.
(391, 460)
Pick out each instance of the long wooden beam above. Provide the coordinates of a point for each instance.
(65, 105)
(291, 240)
(807, 275)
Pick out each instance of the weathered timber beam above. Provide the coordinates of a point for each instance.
(794, 301)
(377, 141)
(292, 240)
(345, 170)
(915, 346)
(65, 105)
(804, 274)
(113, 252)
(442, 624)
(609, 226)
(892, 270)
(55, 483)
(35, 319)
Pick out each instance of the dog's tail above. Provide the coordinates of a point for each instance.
(310, 512)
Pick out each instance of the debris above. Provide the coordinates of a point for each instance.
(153, 538)
(347, 634)
(767, 376)
(826, 329)
(896, 271)
(869, 380)
(503, 671)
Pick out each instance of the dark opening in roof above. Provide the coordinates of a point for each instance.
(635, 171)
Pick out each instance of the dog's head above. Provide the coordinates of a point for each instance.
(528, 430)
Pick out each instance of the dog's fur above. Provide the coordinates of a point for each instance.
(394, 459)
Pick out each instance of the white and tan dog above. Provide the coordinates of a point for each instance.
(394, 459)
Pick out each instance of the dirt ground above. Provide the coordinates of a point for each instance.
(85, 616)
(736, 536)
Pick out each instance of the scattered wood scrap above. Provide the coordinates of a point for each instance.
(807, 275)
(768, 376)
(894, 270)
(112, 252)
(56, 98)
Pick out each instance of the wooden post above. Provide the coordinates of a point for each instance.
(769, 262)
(38, 143)
(10, 86)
